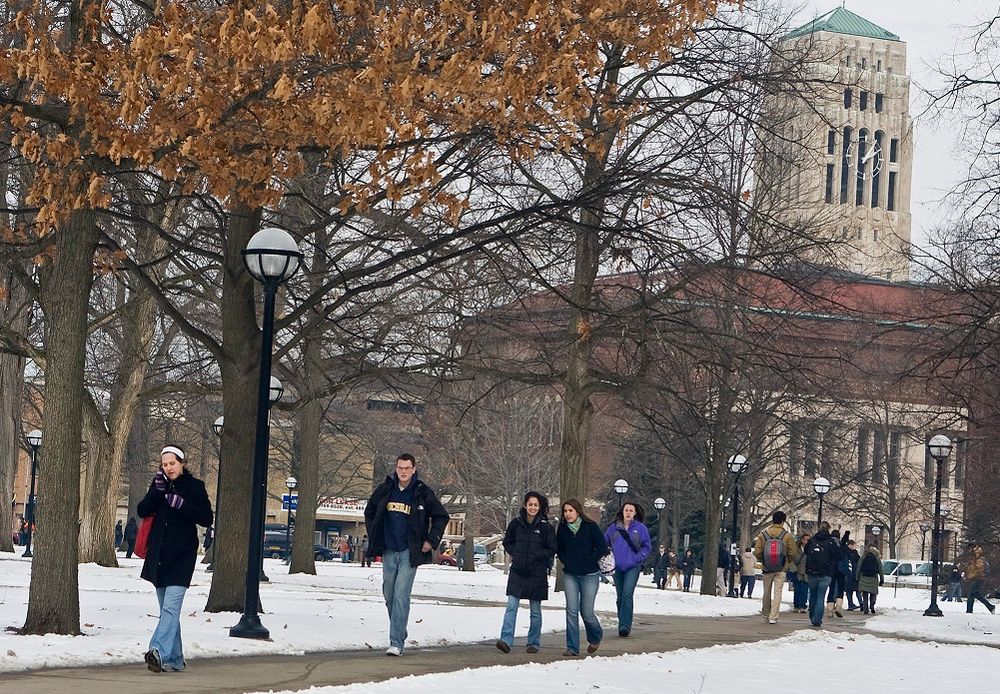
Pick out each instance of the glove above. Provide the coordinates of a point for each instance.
(160, 481)
(174, 500)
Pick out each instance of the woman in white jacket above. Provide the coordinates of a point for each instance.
(748, 572)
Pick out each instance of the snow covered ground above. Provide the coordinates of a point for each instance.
(341, 608)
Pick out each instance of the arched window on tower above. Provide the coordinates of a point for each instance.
(845, 164)
(859, 188)
(877, 163)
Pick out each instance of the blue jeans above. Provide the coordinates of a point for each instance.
(581, 592)
(817, 591)
(954, 593)
(397, 583)
(976, 593)
(166, 639)
(534, 625)
(800, 595)
(625, 588)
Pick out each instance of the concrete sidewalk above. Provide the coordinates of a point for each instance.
(242, 674)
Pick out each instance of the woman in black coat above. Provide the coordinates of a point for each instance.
(179, 502)
(530, 542)
(579, 545)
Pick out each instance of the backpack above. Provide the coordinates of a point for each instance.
(818, 558)
(773, 557)
(869, 565)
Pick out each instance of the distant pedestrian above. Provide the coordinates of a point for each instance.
(530, 542)
(666, 564)
(721, 570)
(674, 572)
(838, 580)
(954, 593)
(851, 580)
(209, 538)
(366, 555)
(822, 557)
(687, 564)
(131, 532)
(870, 577)
(119, 535)
(775, 548)
(658, 559)
(975, 574)
(179, 502)
(628, 538)
(580, 544)
(800, 586)
(748, 572)
(405, 523)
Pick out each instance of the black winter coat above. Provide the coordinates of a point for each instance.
(173, 541)
(131, 530)
(531, 547)
(579, 552)
(428, 520)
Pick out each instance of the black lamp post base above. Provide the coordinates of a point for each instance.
(933, 611)
(249, 627)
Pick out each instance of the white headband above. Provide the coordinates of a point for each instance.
(175, 450)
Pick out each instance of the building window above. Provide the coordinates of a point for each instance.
(878, 102)
(961, 449)
(878, 456)
(890, 196)
(878, 67)
(848, 59)
(845, 164)
(876, 172)
(864, 63)
(829, 183)
(794, 449)
(893, 149)
(861, 234)
(831, 141)
(864, 439)
(928, 466)
(863, 101)
(874, 235)
(848, 96)
(895, 443)
(859, 186)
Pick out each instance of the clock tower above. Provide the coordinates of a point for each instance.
(851, 177)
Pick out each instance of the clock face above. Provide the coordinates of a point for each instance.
(872, 154)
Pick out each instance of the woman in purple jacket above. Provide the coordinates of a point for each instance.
(629, 540)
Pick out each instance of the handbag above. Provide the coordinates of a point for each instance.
(142, 537)
(606, 564)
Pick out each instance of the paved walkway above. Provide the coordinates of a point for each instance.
(261, 673)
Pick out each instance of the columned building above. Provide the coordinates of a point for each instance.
(853, 181)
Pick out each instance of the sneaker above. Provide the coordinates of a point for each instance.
(624, 633)
(531, 649)
(503, 646)
(153, 660)
(394, 650)
(570, 654)
(772, 621)
(592, 647)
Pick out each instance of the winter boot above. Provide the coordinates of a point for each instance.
(829, 609)
(838, 607)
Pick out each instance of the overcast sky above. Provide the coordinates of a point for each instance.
(931, 30)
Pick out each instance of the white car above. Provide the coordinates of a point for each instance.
(914, 572)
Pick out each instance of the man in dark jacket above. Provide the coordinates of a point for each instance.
(118, 534)
(823, 555)
(131, 532)
(405, 523)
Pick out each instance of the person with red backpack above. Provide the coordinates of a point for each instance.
(775, 548)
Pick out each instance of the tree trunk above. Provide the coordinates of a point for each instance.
(15, 314)
(137, 459)
(99, 501)
(241, 344)
(53, 599)
(469, 560)
(303, 558)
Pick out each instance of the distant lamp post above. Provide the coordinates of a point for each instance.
(34, 438)
(737, 464)
(621, 489)
(939, 448)
(821, 486)
(291, 483)
(271, 257)
(659, 503)
(217, 426)
(924, 528)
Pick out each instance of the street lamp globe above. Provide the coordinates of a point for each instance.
(272, 255)
(276, 390)
(621, 486)
(218, 424)
(291, 483)
(34, 438)
(737, 463)
(821, 485)
(945, 511)
(939, 447)
(876, 530)
(659, 503)
(924, 527)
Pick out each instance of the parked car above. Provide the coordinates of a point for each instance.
(275, 548)
(914, 572)
(479, 554)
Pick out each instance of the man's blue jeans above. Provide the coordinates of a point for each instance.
(625, 588)
(817, 592)
(800, 599)
(397, 584)
(976, 593)
(581, 592)
(166, 639)
(534, 625)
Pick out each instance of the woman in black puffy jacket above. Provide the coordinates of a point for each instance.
(530, 542)
(178, 501)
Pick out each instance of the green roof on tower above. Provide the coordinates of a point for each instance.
(840, 20)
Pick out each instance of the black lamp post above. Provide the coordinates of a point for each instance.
(291, 483)
(659, 503)
(272, 257)
(821, 486)
(274, 392)
(737, 464)
(34, 438)
(217, 426)
(945, 512)
(923, 538)
(939, 448)
(621, 489)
